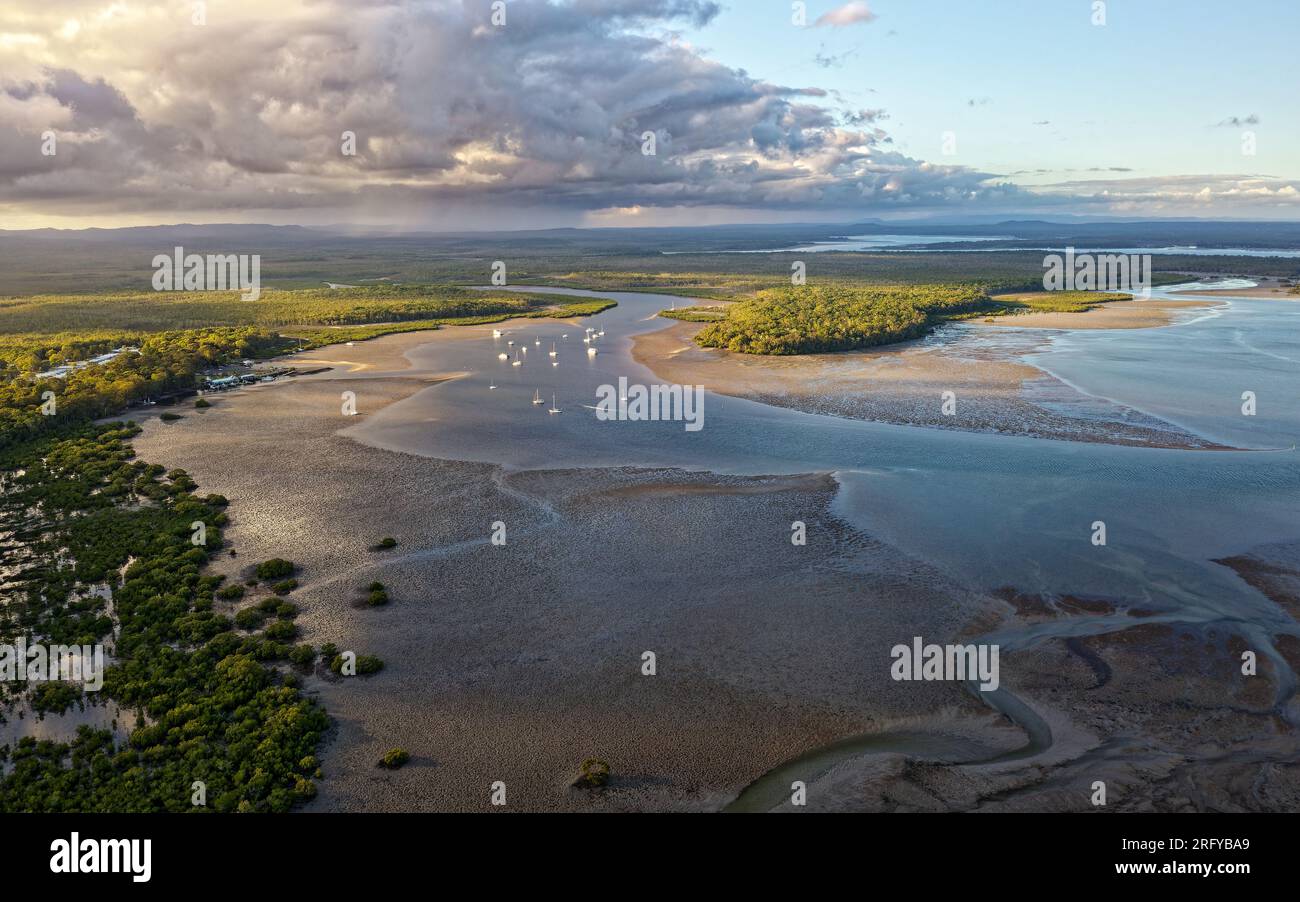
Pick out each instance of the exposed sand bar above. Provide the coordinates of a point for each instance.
(1136, 314)
(1265, 289)
(905, 383)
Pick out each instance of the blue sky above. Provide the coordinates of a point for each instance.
(1144, 92)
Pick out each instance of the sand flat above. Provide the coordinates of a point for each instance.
(1135, 314)
(1266, 289)
(517, 662)
(905, 384)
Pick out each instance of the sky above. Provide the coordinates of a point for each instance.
(534, 113)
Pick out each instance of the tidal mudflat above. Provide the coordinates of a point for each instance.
(517, 662)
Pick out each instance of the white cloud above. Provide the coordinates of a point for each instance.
(247, 111)
(848, 14)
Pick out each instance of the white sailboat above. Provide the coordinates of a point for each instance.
(496, 333)
(503, 356)
(516, 362)
(537, 397)
(552, 351)
(592, 352)
(537, 342)
(554, 409)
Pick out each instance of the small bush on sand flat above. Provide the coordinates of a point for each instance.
(593, 774)
(394, 758)
(275, 568)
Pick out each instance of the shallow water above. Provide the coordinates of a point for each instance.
(987, 510)
(1194, 375)
(991, 510)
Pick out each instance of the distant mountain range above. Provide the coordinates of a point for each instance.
(1156, 233)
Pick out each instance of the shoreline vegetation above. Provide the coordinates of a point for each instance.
(820, 319)
(40, 332)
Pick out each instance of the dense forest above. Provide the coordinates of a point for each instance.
(811, 319)
(843, 316)
(167, 361)
(60, 327)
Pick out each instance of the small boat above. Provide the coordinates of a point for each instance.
(492, 388)
(503, 357)
(516, 362)
(537, 342)
(592, 352)
(496, 333)
(510, 343)
(554, 409)
(601, 333)
(537, 397)
(552, 351)
(565, 336)
(586, 339)
(525, 350)
(555, 363)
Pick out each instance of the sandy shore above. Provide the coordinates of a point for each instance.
(1267, 289)
(387, 354)
(1115, 315)
(904, 384)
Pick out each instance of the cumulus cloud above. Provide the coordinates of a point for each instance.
(155, 113)
(1172, 194)
(848, 14)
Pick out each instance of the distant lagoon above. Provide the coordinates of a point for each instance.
(927, 244)
(864, 243)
